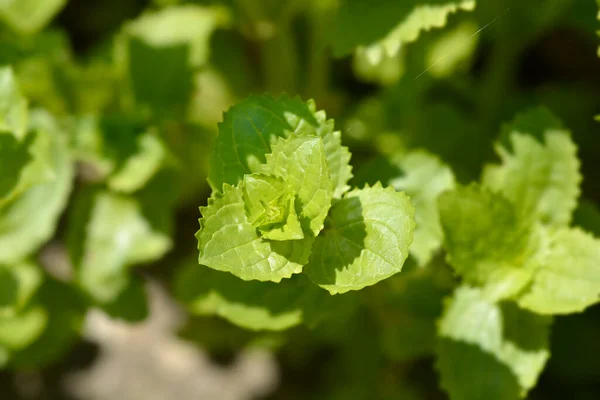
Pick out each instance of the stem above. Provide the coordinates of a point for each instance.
(280, 60)
(319, 59)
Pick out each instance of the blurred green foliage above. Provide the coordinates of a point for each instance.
(112, 127)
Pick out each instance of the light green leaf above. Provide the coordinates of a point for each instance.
(122, 151)
(13, 106)
(30, 220)
(19, 330)
(301, 162)
(566, 274)
(374, 24)
(158, 53)
(227, 241)
(540, 169)
(424, 177)
(18, 284)
(187, 24)
(249, 127)
(366, 239)
(23, 164)
(141, 166)
(485, 239)
(270, 204)
(257, 305)
(108, 234)
(489, 350)
(29, 16)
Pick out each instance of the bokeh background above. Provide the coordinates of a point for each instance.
(535, 52)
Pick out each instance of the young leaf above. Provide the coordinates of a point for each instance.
(485, 239)
(366, 239)
(489, 350)
(566, 276)
(29, 221)
(270, 204)
(256, 305)
(540, 169)
(301, 162)
(247, 131)
(109, 233)
(228, 241)
(424, 177)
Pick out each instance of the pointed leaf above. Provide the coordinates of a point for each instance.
(485, 240)
(566, 274)
(249, 127)
(540, 169)
(366, 240)
(301, 162)
(227, 241)
(489, 350)
(270, 204)
(368, 23)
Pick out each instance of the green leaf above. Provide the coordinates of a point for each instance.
(257, 305)
(23, 164)
(30, 220)
(159, 51)
(29, 16)
(375, 23)
(485, 239)
(566, 276)
(18, 284)
(540, 169)
(301, 161)
(141, 166)
(249, 127)
(108, 234)
(366, 239)
(65, 310)
(270, 204)
(424, 177)
(227, 241)
(120, 150)
(489, 350)
(21, 329)
(13, 106)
